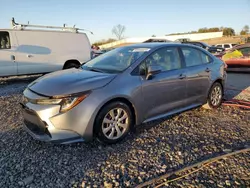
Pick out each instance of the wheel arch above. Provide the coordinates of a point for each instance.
(123, 100)
(71, 61)
(220, 81)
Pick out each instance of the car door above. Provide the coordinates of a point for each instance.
(198, 70)
(166, 91)
(8, 66)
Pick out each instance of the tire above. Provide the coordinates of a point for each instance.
(71, 65)
(215, 96)
(113, 116)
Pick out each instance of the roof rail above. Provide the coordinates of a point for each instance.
(19, 26)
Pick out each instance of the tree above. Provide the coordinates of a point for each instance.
(228, 31)
(153, 36)
(243, 32)
(118, 31)
(246, 29)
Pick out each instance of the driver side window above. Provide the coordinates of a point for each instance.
(167, 58)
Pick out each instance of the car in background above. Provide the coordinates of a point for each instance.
(211, 49)
(182, 40)
(110, 94)
(95, 53)
(107, 50)
(237, 58)
(226, 46)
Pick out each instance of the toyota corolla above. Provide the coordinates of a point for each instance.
(125, 87)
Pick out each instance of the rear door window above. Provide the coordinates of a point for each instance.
(194, 57)
(4, 40)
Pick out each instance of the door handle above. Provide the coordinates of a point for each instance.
(182, 76)
(29, 55)
(208, 70)
(13, 58)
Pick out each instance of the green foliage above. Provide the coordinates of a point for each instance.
(246, 29)
(243, 32)
(227, 31)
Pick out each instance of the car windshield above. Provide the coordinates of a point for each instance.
(115, 61)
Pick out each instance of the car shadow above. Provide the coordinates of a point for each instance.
(238, 84)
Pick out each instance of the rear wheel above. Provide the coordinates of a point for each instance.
(113, 123)
(214, 99)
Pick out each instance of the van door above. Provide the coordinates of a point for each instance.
(8, 66)
(32, 53)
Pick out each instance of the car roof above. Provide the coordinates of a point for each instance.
(241, 46)
(157, 44)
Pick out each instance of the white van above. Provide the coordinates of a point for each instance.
(25, 51)
(227, 46)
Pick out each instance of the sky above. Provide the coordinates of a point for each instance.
(142, 18)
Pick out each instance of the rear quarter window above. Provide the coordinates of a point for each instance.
(4, 40)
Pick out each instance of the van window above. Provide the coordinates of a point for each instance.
(226, 46)
(4, 40)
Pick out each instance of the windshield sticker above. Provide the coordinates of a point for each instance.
(141, 50)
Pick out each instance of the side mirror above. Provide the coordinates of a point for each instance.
(153, 70)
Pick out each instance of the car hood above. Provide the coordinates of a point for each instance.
(69, 81)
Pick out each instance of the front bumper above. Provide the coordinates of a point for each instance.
(40, 130)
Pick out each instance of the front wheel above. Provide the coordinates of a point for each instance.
(113, 122)
(214, 99)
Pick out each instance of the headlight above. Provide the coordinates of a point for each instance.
(71, 102)
(66, 103)
(48, 101)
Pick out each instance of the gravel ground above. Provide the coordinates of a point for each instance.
(153, 150)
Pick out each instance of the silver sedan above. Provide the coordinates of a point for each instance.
(125, 87)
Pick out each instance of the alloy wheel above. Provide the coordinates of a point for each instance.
(115, 123)
(216, 95)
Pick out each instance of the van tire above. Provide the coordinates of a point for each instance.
(71, 64)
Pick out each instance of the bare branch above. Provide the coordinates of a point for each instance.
(118, 31)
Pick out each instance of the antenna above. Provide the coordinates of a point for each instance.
(15, 25)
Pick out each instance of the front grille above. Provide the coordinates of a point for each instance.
(34, 128)
(34, 123)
